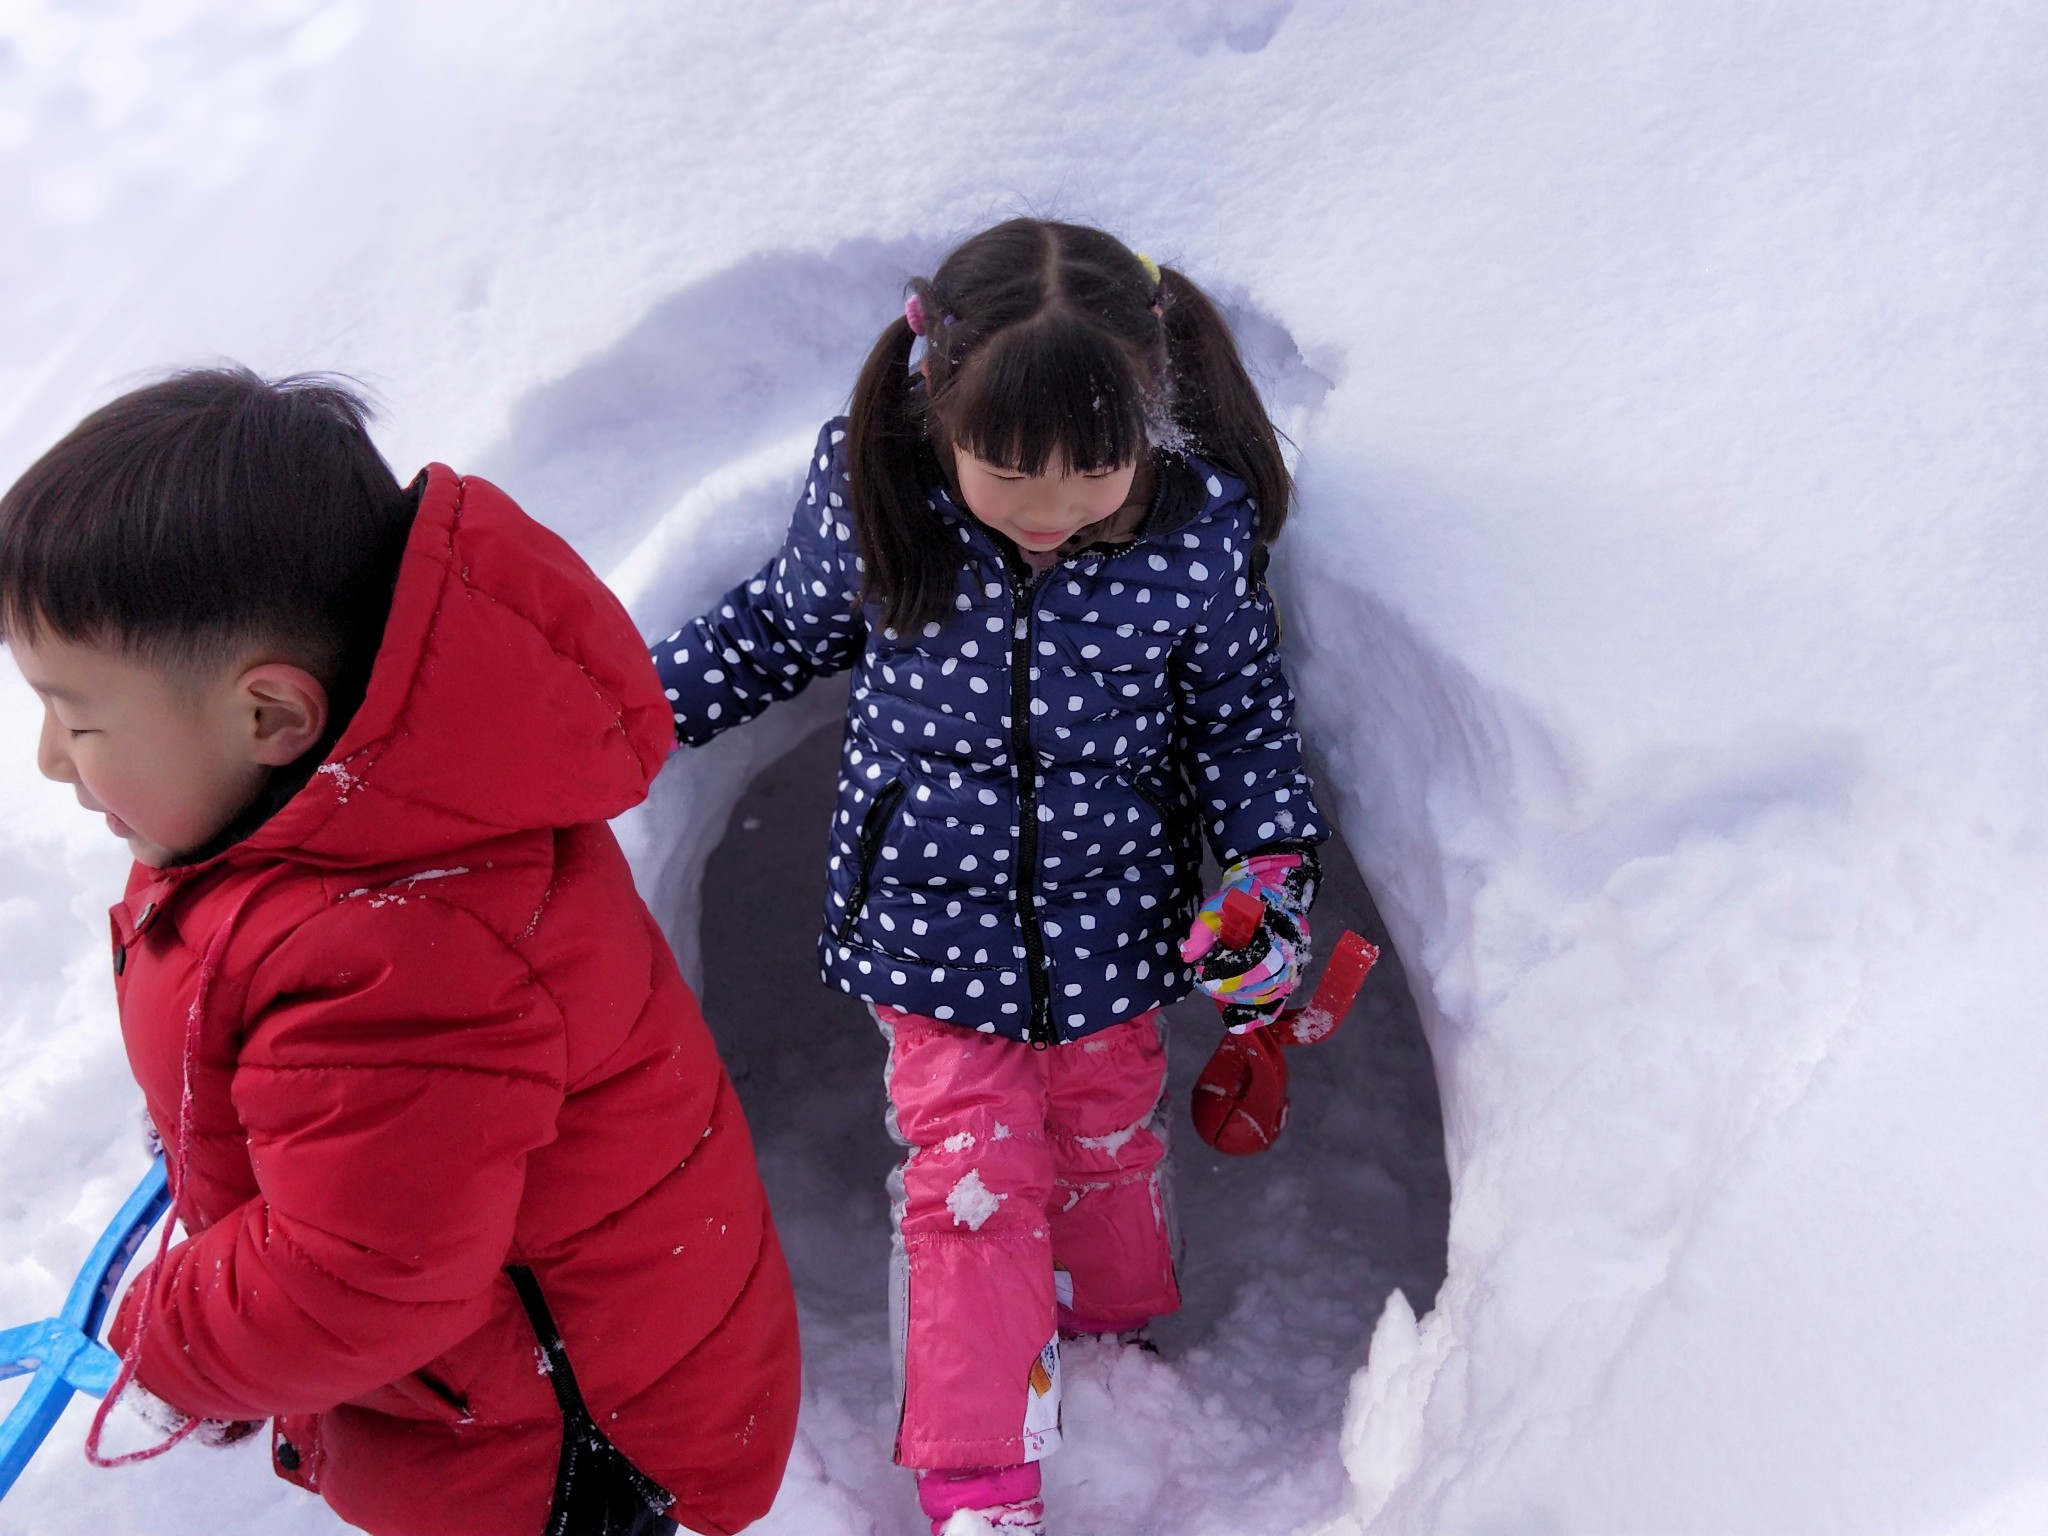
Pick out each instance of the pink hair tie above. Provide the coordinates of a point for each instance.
(913, 312)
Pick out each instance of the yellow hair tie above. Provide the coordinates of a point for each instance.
(1151, 268)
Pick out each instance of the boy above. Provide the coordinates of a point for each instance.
(433, 1092)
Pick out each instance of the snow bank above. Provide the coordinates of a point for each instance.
(1666, 599)
(1685, 675)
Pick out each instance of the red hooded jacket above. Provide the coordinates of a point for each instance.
(433, 1032)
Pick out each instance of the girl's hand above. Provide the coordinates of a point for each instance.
(1253, 982)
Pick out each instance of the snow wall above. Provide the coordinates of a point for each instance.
(1666, 601)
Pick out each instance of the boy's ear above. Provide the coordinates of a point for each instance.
(286, 711)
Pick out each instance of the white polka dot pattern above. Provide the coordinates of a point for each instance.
(1145, 684)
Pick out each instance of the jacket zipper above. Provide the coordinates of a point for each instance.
(1039, 1031)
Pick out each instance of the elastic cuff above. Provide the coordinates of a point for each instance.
(1303, 881)
(153, 1410)
(943, 1493)
(1308, 853)
(166, 1419)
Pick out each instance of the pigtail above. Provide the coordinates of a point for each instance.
(910, 565)
(1045, 343)
(1215, 400)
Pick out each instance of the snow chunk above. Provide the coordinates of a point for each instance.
(344, 782)
(1113, 1143)
(972, 1202)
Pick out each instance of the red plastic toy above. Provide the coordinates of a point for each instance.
(1240, 1100)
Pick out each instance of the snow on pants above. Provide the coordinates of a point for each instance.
(1032, 1199)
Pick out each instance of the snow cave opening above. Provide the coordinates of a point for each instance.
(1351, 1203)
(671, 458)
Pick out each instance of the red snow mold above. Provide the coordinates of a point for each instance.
(1240, 1100)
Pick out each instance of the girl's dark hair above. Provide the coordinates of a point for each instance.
(1046, 344)
(206, 511)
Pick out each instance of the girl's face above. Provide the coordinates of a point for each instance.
(1040, 512)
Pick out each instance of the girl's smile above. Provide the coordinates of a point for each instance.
(1042, 512)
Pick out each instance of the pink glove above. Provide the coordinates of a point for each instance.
(1253, 982)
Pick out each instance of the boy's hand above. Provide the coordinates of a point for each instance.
(1253, 981)
(166, 1420)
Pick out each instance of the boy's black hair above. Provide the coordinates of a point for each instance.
(207, 511)
(1046, 344)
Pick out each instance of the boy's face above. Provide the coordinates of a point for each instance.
(170, 756)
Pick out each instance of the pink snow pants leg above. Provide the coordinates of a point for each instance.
(1029, 1172)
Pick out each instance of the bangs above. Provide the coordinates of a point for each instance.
(1052, 392)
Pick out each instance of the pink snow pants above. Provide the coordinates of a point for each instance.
(1032, 1200)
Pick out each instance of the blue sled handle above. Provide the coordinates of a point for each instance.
(64, 1351)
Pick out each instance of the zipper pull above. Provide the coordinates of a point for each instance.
(1042, 1034)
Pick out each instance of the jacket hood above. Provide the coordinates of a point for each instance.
(511, 692)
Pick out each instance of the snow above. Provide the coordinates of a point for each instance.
(1666, 598)
(971, 1202)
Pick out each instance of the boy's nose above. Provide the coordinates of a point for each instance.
(52, 761)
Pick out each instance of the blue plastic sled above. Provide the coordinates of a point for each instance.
(64, 1351)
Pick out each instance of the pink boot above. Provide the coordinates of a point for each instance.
(1004, 1500)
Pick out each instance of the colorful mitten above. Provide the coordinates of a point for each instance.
(1252, 982)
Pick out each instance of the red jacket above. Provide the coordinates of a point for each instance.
(439, 1033)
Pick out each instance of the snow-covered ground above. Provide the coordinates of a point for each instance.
(1288, 1255)
(1667, 599)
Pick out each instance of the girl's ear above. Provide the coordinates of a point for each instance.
(284, 712)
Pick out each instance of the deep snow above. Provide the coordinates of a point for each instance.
(1666, 600)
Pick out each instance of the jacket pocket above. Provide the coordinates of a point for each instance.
(1179, 823)
(874, 827)
(422, 1396)
(1153, 798)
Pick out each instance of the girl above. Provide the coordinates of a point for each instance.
(1039, 538)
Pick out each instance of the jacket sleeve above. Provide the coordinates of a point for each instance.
(389, 1111)
(1237, 720)
(795, 619)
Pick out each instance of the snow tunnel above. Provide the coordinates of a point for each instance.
(1288, 1257)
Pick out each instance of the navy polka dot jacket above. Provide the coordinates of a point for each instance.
(1017, 843)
